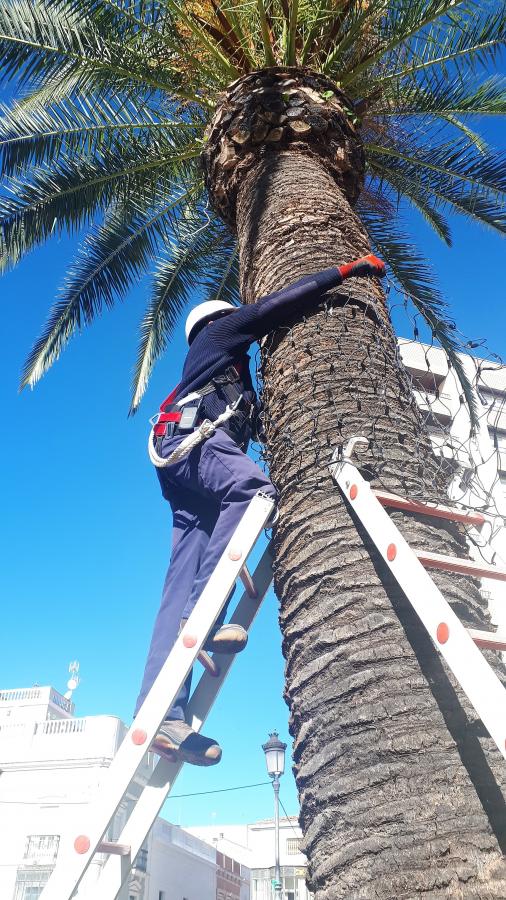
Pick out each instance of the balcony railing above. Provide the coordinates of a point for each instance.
(20, 694)
(61, 726)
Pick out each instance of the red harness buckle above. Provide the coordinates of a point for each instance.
(160, 429)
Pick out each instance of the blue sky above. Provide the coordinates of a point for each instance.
(86, 534)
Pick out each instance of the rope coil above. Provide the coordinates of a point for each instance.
(201, 434)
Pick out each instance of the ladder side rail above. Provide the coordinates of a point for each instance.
(477, 679)
(165, 773)
(78, 848)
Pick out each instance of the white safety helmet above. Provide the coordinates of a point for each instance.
(205, 311)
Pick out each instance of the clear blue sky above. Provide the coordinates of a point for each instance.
(86, 534)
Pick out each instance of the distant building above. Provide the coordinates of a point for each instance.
(51, 766)
(253, 845)
(480, 462)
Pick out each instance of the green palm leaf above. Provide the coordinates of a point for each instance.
(69, 193)
(113, 97)
(112, 256)
(470, 182)
(474, 40)
(87, 126)
(196, 254)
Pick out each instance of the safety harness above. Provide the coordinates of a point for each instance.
(183, 416)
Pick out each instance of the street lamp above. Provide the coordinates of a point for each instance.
(274, 751)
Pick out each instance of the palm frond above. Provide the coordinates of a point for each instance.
(197, 255)
(414, 278)
(349, 41)
(473, 183)
(85, 126)
(225, 283)
(473, 137)
(403, 22)
(439, 95)
(475, 40)
(111, 259)
(68, 194)
(39, 41)
(266, 37)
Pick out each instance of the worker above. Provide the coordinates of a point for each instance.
(210, 488)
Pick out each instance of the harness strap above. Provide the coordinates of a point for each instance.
(172, 412)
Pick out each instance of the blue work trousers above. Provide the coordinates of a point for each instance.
(209, 490)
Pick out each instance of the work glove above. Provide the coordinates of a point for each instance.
(363, 267)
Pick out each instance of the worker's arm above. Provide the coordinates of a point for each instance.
(249, 323)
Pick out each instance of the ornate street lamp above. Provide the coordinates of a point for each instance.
(274, 751)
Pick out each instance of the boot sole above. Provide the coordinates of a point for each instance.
(228, 647)
(175, 754)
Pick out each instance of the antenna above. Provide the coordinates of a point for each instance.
(74, 680)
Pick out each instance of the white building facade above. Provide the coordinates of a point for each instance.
(480, 474)
(51, 766)
(253, 845)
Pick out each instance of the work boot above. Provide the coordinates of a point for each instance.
(227, 639)
(178, 742)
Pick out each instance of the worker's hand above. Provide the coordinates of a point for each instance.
(366, 265)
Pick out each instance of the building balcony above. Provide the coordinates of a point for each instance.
(68, 740)
(41, 700)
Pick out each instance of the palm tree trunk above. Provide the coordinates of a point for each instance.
(398, 784)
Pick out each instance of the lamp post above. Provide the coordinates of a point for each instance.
(274, 751)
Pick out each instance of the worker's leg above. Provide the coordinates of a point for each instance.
(229, 477)
(192, 528)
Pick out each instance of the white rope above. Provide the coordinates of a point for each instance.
(204, 431)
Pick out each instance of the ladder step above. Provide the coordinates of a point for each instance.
(208, 663)
(393, 501)
(248, 583)
(113, 848)
(490, 640)
(464, 566)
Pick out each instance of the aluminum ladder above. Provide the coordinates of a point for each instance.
(78, 848)
(458, 645)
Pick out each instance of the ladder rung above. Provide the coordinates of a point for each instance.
(393, 501)
(490, 640)
(208, 663)
(248, 583)
(464, 566)
(113, 848)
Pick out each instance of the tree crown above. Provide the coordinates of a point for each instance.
(113, 98)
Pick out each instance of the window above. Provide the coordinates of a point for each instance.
(31, 882)
(42, 847)
(498, 436)
(494, 400)
(32, 892)
(293, 846)
(141, 860)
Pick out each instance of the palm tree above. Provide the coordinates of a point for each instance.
(216, 143)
